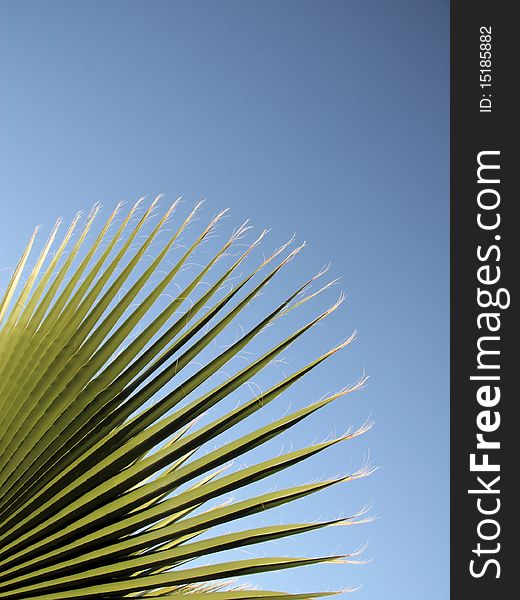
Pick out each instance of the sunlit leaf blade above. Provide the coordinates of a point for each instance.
(109, 456)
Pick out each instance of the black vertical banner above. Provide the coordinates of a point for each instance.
(485, 250)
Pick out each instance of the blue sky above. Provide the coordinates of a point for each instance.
(329, 119)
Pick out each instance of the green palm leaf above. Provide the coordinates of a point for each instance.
(105, 471)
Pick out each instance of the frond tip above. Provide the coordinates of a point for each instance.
(111, 464)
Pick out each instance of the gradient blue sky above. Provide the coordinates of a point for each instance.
(326, 118)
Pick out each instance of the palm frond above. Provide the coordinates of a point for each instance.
(108, 451)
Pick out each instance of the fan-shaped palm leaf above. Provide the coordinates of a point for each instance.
(104, 490)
